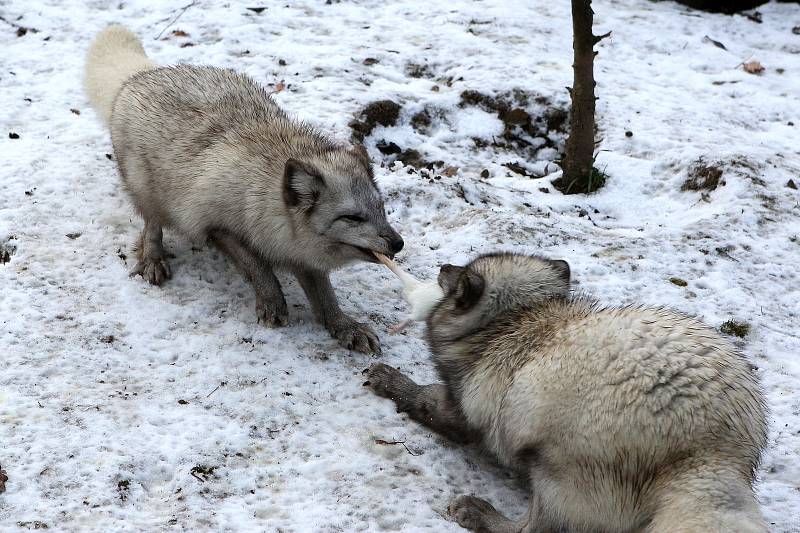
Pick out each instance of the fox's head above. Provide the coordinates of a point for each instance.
(491, 286)
(334, 202)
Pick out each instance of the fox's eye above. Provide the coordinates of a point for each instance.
(356, 219)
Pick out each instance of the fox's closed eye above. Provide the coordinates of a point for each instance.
(353, 218)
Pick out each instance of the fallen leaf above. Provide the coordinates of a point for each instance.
(75, 111)
(279, 87)
(186, 45)
(753, 67)
(450, 171)
(180, 33)
(3, 479)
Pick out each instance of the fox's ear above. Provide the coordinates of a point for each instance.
(562, 267)
(302, 184)
(469, 289)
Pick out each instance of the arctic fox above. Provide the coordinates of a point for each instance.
(205, 151)
(624, 419)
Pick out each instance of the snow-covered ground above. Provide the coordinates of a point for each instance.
(126, 407)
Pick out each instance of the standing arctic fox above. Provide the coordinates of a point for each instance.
(624, 419)
(206, 151)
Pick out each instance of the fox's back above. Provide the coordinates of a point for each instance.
(191, 145)
(636, 381)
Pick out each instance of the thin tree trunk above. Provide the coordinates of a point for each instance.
(579, 155)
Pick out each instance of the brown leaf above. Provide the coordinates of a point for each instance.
(753, 67)
(450, 171)
(3, 479)
(186, 45)
(180, 33)
(279, 87)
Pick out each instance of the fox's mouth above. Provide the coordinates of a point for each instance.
(370, 256)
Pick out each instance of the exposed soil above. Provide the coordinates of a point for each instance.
(735, 328)
(531, 123)
(383, 112)
(703, 176)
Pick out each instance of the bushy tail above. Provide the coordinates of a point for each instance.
(115, 55)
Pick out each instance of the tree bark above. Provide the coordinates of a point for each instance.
(579, 155)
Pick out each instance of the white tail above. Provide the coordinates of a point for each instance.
(115, 55)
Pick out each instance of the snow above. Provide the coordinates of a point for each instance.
(126, 407)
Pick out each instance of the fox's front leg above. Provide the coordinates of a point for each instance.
(430, 405)
(152, 262)
(270, 303)
(350, 334)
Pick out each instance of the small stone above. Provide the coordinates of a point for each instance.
(182, 402)
(791, 184)
(628, 134)
(485, 173)
(282, 62)
(678, 281)
(12, 135)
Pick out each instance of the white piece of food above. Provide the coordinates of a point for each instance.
(422, 296)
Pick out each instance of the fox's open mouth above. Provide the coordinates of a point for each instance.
(369, 255)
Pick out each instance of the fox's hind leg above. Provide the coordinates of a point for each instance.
(152, 262)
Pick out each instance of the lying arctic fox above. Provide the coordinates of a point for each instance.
(206, 152)
(624, 419)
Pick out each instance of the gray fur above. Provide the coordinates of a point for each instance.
(207, 153)
(624, 419)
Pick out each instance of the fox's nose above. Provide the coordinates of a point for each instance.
(396, 243)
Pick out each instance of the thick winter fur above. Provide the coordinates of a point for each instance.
(624, 419)
(206, 152)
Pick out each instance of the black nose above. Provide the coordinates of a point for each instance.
(396, 244)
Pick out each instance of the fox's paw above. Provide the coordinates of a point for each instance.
(155, 270)
(387, 381)
(271, 313)
(476, 514)
(355, 336)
